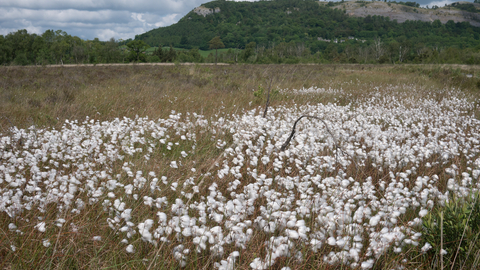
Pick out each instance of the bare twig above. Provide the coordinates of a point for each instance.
(287, 142)
(8, 119)
(285, 145)
(268, 98)
(6, 129)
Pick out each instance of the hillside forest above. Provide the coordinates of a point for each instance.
(278, 31)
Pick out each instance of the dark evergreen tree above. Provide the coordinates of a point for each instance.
(216, 43)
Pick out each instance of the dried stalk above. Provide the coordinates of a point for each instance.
(337, 147)
(7, 130)
(268, 99)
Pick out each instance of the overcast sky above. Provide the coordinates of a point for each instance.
(87, 19)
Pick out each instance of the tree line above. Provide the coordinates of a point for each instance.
(56, 47)
(377, 51)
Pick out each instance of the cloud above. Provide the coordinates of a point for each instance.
(437, 3)
(92, 18)
(161, 7)
(152, 20)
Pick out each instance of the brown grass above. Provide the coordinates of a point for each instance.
(46, 96)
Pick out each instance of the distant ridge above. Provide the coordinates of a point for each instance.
(312, 23)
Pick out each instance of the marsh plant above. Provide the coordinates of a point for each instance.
(452, 231)
(218, 191)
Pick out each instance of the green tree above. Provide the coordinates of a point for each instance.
(19, 43)
(159, 53)
(3, 50)
(60, 45)
(109, 52)
(171, 54)
(77, 49)
(137, 49)
(21, 59)
(216, 43)
(184, 42)
(249, 50)
(40, 51)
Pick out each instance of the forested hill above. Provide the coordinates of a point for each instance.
(307, 22)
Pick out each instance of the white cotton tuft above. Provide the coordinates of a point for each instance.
(423, 212)
(426, 247)
(46, 243)
(130, 249)
(331, 241)
(40, 227)
(367, 264)
(292, 234)
(374, 221)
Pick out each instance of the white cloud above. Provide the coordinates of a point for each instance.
(66, 15)
(438, 3)
(155, 21)
(168, 20)
(89, 18)
(106, 34)
(138, 6)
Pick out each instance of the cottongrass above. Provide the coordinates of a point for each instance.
(398, 158)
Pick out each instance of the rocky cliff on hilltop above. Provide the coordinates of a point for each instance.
(402, 13)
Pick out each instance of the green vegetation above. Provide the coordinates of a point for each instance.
(216, 43)
(264, 32)
(137, 49)
(269, 23)
(454, 228)
(57, 47)
(466, 7)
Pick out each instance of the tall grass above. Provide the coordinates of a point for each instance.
(46, 96)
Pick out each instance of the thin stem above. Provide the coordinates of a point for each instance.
(287, 142)
(441, 240)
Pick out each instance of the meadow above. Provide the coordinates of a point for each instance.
(183, 167)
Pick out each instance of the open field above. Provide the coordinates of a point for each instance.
(166, 167)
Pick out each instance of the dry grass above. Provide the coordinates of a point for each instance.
(46, 96)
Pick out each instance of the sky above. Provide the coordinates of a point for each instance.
(103, 19)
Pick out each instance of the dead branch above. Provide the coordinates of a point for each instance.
(268, 98)
(287, 142)
(10, 122)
